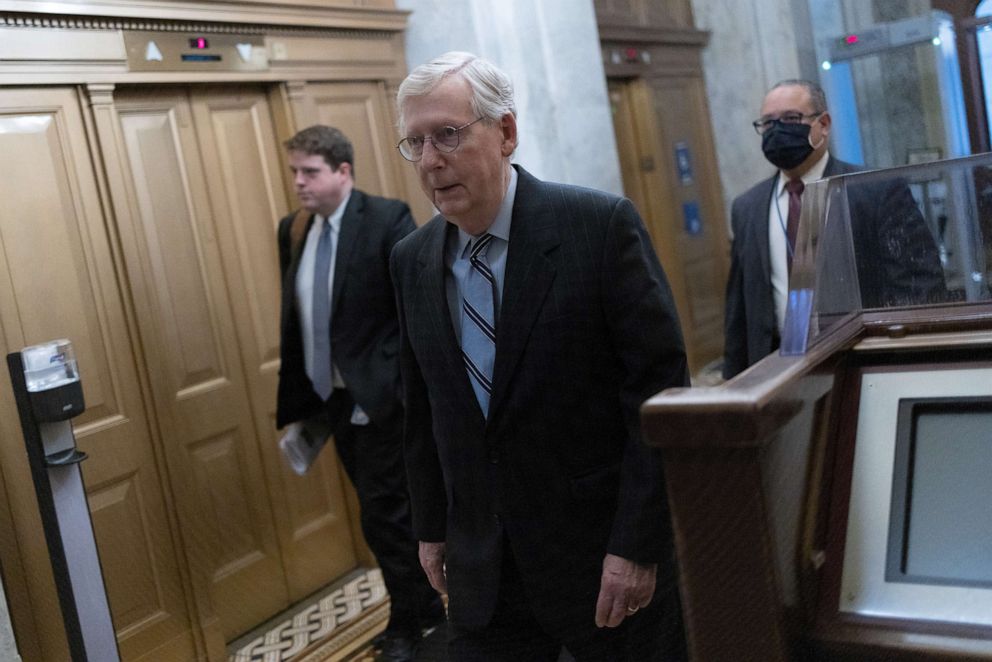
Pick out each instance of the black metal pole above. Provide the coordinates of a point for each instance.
(46, 506)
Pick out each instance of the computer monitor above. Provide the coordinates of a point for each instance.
(940, 526)
(919, 533)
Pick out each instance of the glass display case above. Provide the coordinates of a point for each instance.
(910, 236)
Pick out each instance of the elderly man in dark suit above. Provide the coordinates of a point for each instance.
(340, 371)
(535, 320)
(897, 259)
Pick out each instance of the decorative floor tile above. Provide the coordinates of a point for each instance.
(329, 624)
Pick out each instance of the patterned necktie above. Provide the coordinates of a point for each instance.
(795, 189)
(478, 322)
(321, 376)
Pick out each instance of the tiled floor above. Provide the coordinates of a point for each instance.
(325, 627)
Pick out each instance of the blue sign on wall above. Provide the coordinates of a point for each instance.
(683, 163)
(693, 223)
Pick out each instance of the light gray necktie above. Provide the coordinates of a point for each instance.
(321, 377)
(478, 322)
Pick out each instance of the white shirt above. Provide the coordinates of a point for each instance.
(778, 214)
(304, 285)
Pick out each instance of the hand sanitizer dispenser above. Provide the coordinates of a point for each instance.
(52, 381)
(49, 393)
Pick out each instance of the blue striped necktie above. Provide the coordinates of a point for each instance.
(478, 322)
(321, 376)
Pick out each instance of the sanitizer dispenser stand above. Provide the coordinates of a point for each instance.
(48, 394)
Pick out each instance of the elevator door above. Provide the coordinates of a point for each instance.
(59, 279)
(669, 172)
(199, 243)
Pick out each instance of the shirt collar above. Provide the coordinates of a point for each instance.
(335, 218)
(814, 174)
(500, 227)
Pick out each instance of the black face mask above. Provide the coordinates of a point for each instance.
(786, 145)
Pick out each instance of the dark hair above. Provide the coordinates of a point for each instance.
(816, 95)
(326, 141)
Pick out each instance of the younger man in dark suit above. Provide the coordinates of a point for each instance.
(536, 320)
(340, 339)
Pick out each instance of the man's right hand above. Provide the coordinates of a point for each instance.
(432, 560)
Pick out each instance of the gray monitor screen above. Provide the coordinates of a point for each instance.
(941, 520)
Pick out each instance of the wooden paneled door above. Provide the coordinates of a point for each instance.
(204, 195)
(58, 279)
(142, 228)
(656, 121)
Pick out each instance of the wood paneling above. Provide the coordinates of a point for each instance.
(59, 281)
(651, 55)
(645, 13)
(680, 109)
(359, 110)
(651, 117)
(237, 141)
(196, 372)
(140, 223)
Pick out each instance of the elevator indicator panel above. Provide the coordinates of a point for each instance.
(159, 51)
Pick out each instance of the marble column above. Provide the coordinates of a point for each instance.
(752, 47)
(8, 648)
(551, 51)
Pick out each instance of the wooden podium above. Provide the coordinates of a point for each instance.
(833, 505)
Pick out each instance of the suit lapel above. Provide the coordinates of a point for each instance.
(431, 291)
(351, 221)
(529, 274)
(761, 227)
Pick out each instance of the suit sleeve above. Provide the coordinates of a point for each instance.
(647, 338)
(401, 226)
(735, 313)
(428, 502)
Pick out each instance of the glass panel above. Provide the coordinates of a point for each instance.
(908, 236)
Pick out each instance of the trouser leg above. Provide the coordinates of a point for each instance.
(373, 459)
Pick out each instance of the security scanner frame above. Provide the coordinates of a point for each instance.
(828, 503)
(895, 92)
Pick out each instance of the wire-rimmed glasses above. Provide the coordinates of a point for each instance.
(444, 139)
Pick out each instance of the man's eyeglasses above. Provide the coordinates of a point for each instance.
(444, 139)
(765, 123)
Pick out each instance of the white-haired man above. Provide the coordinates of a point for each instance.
(535, 320)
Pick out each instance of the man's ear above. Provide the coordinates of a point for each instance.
(508, 125)
(345, 168)
(825, 121)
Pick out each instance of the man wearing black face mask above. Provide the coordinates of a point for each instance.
(794, 127)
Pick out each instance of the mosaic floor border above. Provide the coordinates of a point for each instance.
(334, 625)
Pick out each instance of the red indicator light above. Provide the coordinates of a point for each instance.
(199, 43)
(851, 39)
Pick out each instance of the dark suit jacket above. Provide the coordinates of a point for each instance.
(587, 331)
(896, 258)
(364, 326)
